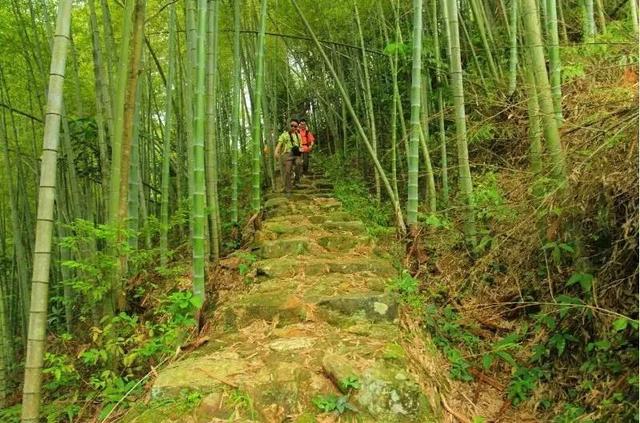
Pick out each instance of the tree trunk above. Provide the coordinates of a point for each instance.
(212, 135)
(552, 135)
(457, 92)
(166, 149)
(44, 224)
(257, 112)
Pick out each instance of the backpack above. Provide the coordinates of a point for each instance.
(295, 150)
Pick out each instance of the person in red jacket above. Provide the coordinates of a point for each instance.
(307, 140)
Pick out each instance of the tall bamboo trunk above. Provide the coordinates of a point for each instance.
(444, 170)
(212, 134)
(416, 69)
(166, 145)
(457, 91)
(128, 122)
(555, 66)
(633, 4)
(235, 115)
(257, 112)
(198, 198)
(552, 135)
(44, 224)
(368, 99)
(513, 50)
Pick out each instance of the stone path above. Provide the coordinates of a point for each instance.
(316, 325)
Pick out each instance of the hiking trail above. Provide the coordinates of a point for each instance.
(315, 322)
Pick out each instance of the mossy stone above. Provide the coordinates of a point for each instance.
(355, 227)
(283, 247)
(374, 307)
(276, 202)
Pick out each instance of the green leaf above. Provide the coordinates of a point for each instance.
(487, 361)
(620, 324)
(507, 357)
(584, 279)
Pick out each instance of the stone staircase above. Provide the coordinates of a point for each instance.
(315, 324)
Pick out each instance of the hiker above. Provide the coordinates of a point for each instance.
(307, 140)
(287, 153)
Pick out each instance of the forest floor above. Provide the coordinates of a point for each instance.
(315, 336)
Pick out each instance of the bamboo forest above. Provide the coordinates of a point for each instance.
(319, 211)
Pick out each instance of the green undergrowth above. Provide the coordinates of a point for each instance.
(105, 361)
(351, 189)
(534, 351)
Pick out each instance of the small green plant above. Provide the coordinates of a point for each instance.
(407, 287)
(189, 399)
(241, 400)
(500, 350)
(571, 414)
(331, 403)
(349, 383)
(522, 384)
(61, 371)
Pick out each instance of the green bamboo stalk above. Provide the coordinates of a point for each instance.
(634, 14)
(425, 136)
(118, 114)
(103, 105)
(354, 116)
(166, 145)
(199, 194)
(368, 98)
(601, 18)
(589, 23)
(555, 67)
(457, 91)
(20, 255)
(44, 224)
(477, 13)
(563, 24)
(473, 53)
(444, 171)
(513, 50)
(189, 102)
(235, 112)
(416, 68)
(4, 335)
(212, 135)
(128, 123)
(133, 203)
(552, 135)
(257, 110)
(393, 65)
(533, 109)
(109, 42)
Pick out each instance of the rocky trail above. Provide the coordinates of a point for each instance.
(315, 338)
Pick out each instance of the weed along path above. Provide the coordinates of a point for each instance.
(315, 338)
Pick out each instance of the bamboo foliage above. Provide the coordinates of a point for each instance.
(44, 225)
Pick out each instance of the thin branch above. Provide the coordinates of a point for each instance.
(20, 112)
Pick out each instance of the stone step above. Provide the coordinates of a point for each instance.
(342, 243)
(315, 266)
(372, 306)
(283, 247)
